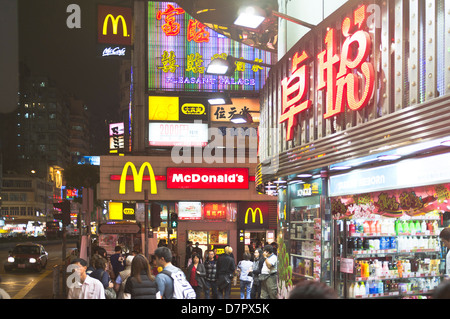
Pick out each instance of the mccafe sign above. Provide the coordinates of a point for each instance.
(344, 70)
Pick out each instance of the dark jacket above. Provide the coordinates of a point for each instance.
(257, 267)
(199, 277)
(101, 275)
(146, 289)
(225, 265)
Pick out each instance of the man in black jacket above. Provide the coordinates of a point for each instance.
(225, 271)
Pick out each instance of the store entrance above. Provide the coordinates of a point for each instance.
(257, 237)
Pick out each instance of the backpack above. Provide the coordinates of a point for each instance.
(181, 287)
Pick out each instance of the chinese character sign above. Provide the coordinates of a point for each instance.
(346, 74)
(180, 49)
(293, 94)
(337, 73)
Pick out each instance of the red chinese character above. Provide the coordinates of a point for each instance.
(293, 91)
(198, 36)
(170, 28)
(337, 75)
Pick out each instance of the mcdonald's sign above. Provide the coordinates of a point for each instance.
(254, 213)
(115, 25)
(138, 178)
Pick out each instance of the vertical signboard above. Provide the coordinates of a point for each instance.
(180, 48)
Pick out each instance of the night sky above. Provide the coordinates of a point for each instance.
(69, 57)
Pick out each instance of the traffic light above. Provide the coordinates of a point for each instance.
(155, 215)
(64, 216)
(173, 220)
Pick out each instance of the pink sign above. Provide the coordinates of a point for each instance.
(207, 178)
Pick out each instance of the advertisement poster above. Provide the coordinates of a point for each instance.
(189, 210)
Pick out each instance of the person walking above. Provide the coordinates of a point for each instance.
(141, 284)
(210, 288)
(117, 261)
(165, 282)
(225, 271)
(268, 276)
(100, 273)
(255, 271)
(84, 287)
(189, 250)
(196, 275)
(121, 279)
(245, 279)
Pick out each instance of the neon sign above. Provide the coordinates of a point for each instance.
(137, 177)
(180, 48)
(207, 178)
(341, 84)
(109, 51)
(338, 74)
(114, 25)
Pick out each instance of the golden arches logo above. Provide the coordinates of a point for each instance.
(115, 24)
(254, 212)
(137, 177)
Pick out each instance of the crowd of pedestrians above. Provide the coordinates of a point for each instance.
(209, 275)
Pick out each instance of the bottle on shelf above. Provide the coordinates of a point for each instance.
(351, 290)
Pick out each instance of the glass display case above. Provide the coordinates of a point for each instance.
(388, 257)
(305, 242)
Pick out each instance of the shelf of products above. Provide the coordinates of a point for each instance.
(307, 246)
(390, 257)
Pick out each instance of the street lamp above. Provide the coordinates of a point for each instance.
(242, 118)
(252, 17)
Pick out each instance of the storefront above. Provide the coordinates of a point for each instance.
(205, 198)
(362, 103)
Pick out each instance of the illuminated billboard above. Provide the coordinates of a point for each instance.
(177, 134)
(115, 25)
(180, 48)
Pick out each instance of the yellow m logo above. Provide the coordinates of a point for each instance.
(254, 212)
(137, 177)
(115, 24)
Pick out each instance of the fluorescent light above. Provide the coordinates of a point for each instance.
(216, 101)
(279, 182)
(304, 175)
(296, 182)
(340, 168)
(388, 157)
(445, 143)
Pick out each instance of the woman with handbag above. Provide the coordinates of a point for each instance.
(195, 275)
(100, 273)
(225, 272)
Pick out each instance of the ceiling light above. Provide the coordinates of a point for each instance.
(445, 143)
(389, 157)
(304, 175)
(340, 168)
(296, 182)
(279, 182)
